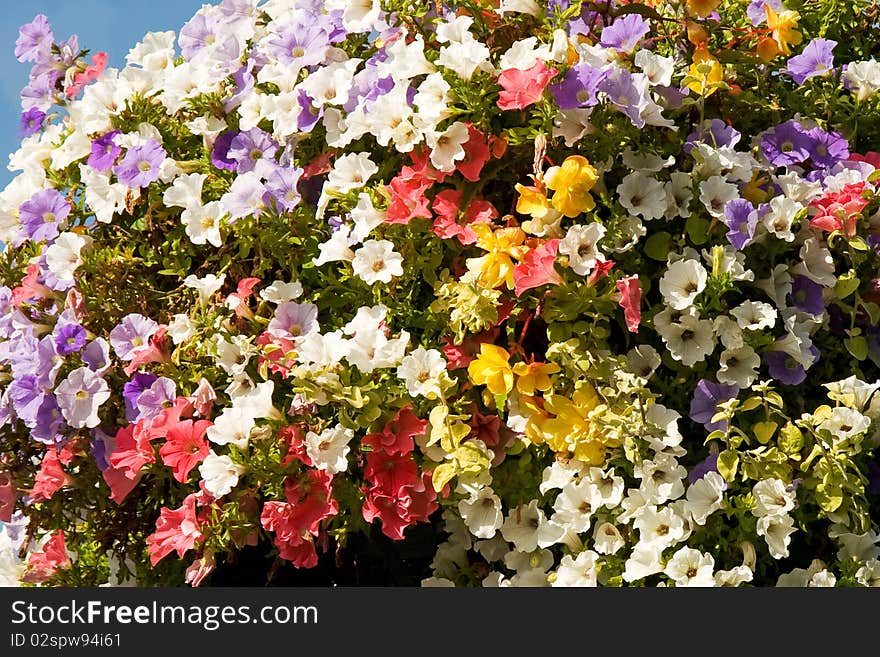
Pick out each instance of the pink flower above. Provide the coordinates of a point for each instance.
(131, 452)
(45, 563)
(186, 447)
(90, 74)
(537, 268)
(199, 569)
(156, 351)
(7, 497)
(238, 299)
(397, 511)
(452, 222)
(840, 210)
(523, 88)
(120, 483)
(389, 473)
(50, 478)
(600, 271)
(30, 287)
(408, 198)
(176, 529)
(476, 154)
(630, 300)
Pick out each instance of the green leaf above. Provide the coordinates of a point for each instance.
(790, 439)
(857, 346)
(859, 244)
(443, 474)
(657, 246)
(750, 404)
(847, 283)
(764, 431)
(697, 229)
(728, 461)
(829, 496)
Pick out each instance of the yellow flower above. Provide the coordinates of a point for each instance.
(706, 69)
(572, 429)
(702, 8)
(755, 191)
(504, 246)
(784, 27)
(532, 201)
(572, 183)
(534, 376)
(491, 369)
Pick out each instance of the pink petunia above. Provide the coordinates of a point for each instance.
(51, 477)
(176, 529)
(537, 268)
(185, 447)
(89, 75)
(630, 301)
(523, 88)
(476, 154)
(408, 198)
(7, 496)
(452, 222)
(132, 450)
(45, 563)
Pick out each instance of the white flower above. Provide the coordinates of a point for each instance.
(575, 505)
(863, 78)
(733, 577)
(202, 223)
(869, 574)
(772, 497)
(447, 147)
(845, 423)
(421, 372)
(63, 255)
(689, 567)
(80, 395)
(739, 366)
(816, 263)
(232, 426)
(185, 191)
(329, 449)
(365, 217)
(279, 291)
(561, 473)
(705, 496)
(660, 528)
(376, 261)
(607, 538)
(715, 193)
(754, 315)
(643, 562)
(661, 478)
(691, 340)
(528, 528)
(679, 193)
(682, 282)
(482, 513)
(205, 286)
(580, 245)
(181, 328)
(463, 54)
(777, 531)
(578, 571)
(780, 218)
(658, 69)
(852, 392)
(337, 247)
(257, 401)
(349, 172)
(643, 360)
(642, 195)
(220, 474)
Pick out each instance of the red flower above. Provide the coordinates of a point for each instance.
(45, 563)
(840, 210)
(50, 478)
(389, 473)
(397, 511)
(523, 88)
(447, 206)
(871, 157)
(537, 268)
(186, 447)
(120, 483)
(630, 301)
(176, 529)
(157, 351)
(600, 271)
(461, 355)
(273, 353)
(296, 447)
(476, 154)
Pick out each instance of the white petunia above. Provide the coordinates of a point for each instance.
(779, 220)
(527, 528)
(205, 286)
(329, 449)
(607, 539)
(377, 261)
(421, 372)
(739, 366)
(202, 223)
(63, 255)
(777, 531)
(689, 567)
(642, 195)
(280, 292)
(754, 315)
(220, 474)
(715, 193)
(482, 513)
(232, 426)
(580, 244)
(447, 147)
(705, 496)
(682, 282)
(577, 571)
(181, 328)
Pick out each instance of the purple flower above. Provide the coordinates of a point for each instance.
(293, 320)
(281, 187)
(309, 114)
(132, 334)
(140, 165)
(625, 33)
(713, 132)
(303, 42)
(788, 143)
(101, 446)
(199, 32)
(784, 368)
(80, 395)
(245, 196)
(40, 91)
(31, 122)
(69, 338)
(42, 214)
(34, 40)
(26, 394)
(807, 295)
(624, 93)
(704, 404)
(49, 361)
(704, 467)
(742, 220)
(104, 152)
(828, 148)
(244, 82)
(96, 355)
(49, 422)
(816, 59)
(251, 147)
(579, 86)
(132, 390)
(220, 151)
(159, 396)
(756, 12)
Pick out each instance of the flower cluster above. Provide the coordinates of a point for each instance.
(533, 293)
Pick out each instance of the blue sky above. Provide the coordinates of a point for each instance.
(113, 26)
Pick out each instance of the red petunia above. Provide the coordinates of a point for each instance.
(50, 478)
(476, 154)
(452, 222)
(132, 450)
(408, 199)
(176, 529)
(50, 559)
(840, 210)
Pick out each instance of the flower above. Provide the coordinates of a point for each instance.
(630, 300)
(683, 281)
(131, 335)
(523, 88)
(328, 449)
(815, 60)
(206, 286)
(580, 244)
(140, 165)
(534, 376)
(176, 530)
(504, 245)
(706, 71)
(572, 182)
(43, 215)
(689, 567)
(537, 268)
(377, 261)
(79, 397)
(421, 371)
(491, 369)
(704, 404)
(185, 447)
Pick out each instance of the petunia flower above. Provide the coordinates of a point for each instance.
(524, 88)
(491, 368)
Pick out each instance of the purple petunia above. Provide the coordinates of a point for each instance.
(704, 404)
(756, 12)
(26, 394)
(281, 187)
(49, 422)
(132, 334)
(625, 33)
(132, 390)
(250, 148)
(303, 41)
(816, 60)
(31, 122)
(827, 148)
(220, 151)
(742, 220)
(34, 41)
(159, 396)
(807, 295)
(69, 338)
(43, 214)
(625, 94)
(96, 355)
(787, 143)
(579, 86)
(704, 467)
(714, 132)
(784, 368)
(140, 165)
(104, 152)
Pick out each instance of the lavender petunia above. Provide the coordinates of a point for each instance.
(80, 395)
(132, 390)
(220, 151)
(579, 87)
(756, 12)
(43, 215)
(159, 396)
(742, 220)
(704, 467)
(828, 148)
(625, 33)
(816, 59)
(251, 147)
(104, 152)
(26, 395)
(787, 143)
(31, 122)
(281, 188)
(623, 90)
(69, 338)
(704, 404)
(784, 368)
(132, 334)
(34, 41)
(807, 295)
(49, 422)
(292, 320)
(140, 165)
(715, 133)
(301, 43)
(96, 355)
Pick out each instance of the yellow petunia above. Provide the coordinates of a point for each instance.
(491, 369)
(503, 246)
(784, 27)
(532, 201)
(707, 71)
(701, 8)
(534, 376)
(572, 182)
